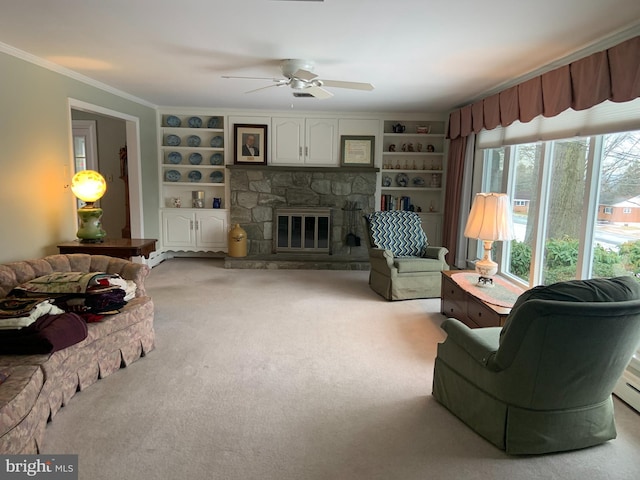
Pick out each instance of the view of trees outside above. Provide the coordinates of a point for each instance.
(616, 245)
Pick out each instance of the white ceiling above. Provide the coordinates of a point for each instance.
(421, 55)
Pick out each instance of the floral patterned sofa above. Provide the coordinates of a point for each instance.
(34, 387)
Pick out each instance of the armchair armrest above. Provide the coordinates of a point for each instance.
(436, 252)
(379, 255)
(480, 343)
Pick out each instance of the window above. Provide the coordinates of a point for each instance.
(576, 206)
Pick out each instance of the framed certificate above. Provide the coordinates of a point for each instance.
(357, 151)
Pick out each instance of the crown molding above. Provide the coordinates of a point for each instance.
(41, 62)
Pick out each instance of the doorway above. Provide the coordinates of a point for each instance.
(114, 133)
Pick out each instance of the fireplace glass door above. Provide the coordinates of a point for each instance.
(303, 230)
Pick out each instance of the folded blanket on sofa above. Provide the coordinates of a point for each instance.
(66, 282)
(47, 334)
(22, 312)
(104, 302)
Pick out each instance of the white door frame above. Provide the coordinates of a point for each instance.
(133, 158)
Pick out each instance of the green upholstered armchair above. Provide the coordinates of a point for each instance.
(403, 264)
(543, 382)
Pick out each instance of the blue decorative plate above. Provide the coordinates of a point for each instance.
(216, 159)
(195, 122)
(386, 181)
(216, 141)
(402, 179)
(216, 177)
(418, 181)
(173, 121)
(193, 141)
(174, 157)
(195, 159)
(213, 122)
(172, 140)
(195, 176)
(172, 176)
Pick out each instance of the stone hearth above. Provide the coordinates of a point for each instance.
(257, 191)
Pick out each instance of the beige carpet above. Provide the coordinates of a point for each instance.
(294, 375)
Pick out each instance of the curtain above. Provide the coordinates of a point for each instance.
(612, 74)
(455, 169)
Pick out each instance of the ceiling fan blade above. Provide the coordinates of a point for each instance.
(268, 86)
(352, 85)
(318, 92)
(253, 78)
(304, 74)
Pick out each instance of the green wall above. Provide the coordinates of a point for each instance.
(37, 207)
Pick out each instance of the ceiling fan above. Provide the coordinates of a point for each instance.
(298, 75)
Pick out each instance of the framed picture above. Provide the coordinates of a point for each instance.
(357, 151)
(250, 144)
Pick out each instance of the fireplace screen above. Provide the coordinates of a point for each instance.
(303, 230)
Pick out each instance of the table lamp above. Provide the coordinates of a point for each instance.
(490, 219)
(89, 186)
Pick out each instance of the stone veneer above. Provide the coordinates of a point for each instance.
(258, 191)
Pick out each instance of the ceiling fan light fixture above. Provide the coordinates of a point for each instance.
(298, 84)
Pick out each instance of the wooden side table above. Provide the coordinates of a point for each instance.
(459, 303)
(114, 247)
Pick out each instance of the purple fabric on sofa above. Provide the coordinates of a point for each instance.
(47, 334)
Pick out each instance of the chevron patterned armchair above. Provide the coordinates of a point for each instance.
(403, 264)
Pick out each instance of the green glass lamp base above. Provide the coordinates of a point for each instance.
(90, 230)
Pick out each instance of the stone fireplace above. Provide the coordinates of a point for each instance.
(260, 193)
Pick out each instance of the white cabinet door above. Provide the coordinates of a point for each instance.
(304, 141)
(178, 229)
(321, 143)
(211, 229)
(287, 141)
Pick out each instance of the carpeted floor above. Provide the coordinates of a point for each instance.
(294, 375)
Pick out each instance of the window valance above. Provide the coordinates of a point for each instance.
(612, 74)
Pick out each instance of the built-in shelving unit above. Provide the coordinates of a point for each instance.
(193, 181)
(412, 173)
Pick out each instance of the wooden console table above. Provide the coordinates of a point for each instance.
(459, 303)
(114, 247)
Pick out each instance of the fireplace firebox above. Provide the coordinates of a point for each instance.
(305, 230)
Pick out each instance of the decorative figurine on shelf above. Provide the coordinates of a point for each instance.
(404, 147)
(398, 128)
(398, 167)
(430, 148)
(431, 208)
(419, 147)
(392, 147)
(410, 147)
(177, 203)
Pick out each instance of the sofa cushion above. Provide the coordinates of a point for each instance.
(417, 265)
(398, 231)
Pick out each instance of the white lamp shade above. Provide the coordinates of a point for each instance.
(490, 218)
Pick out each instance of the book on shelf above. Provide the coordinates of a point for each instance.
(391, 202)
